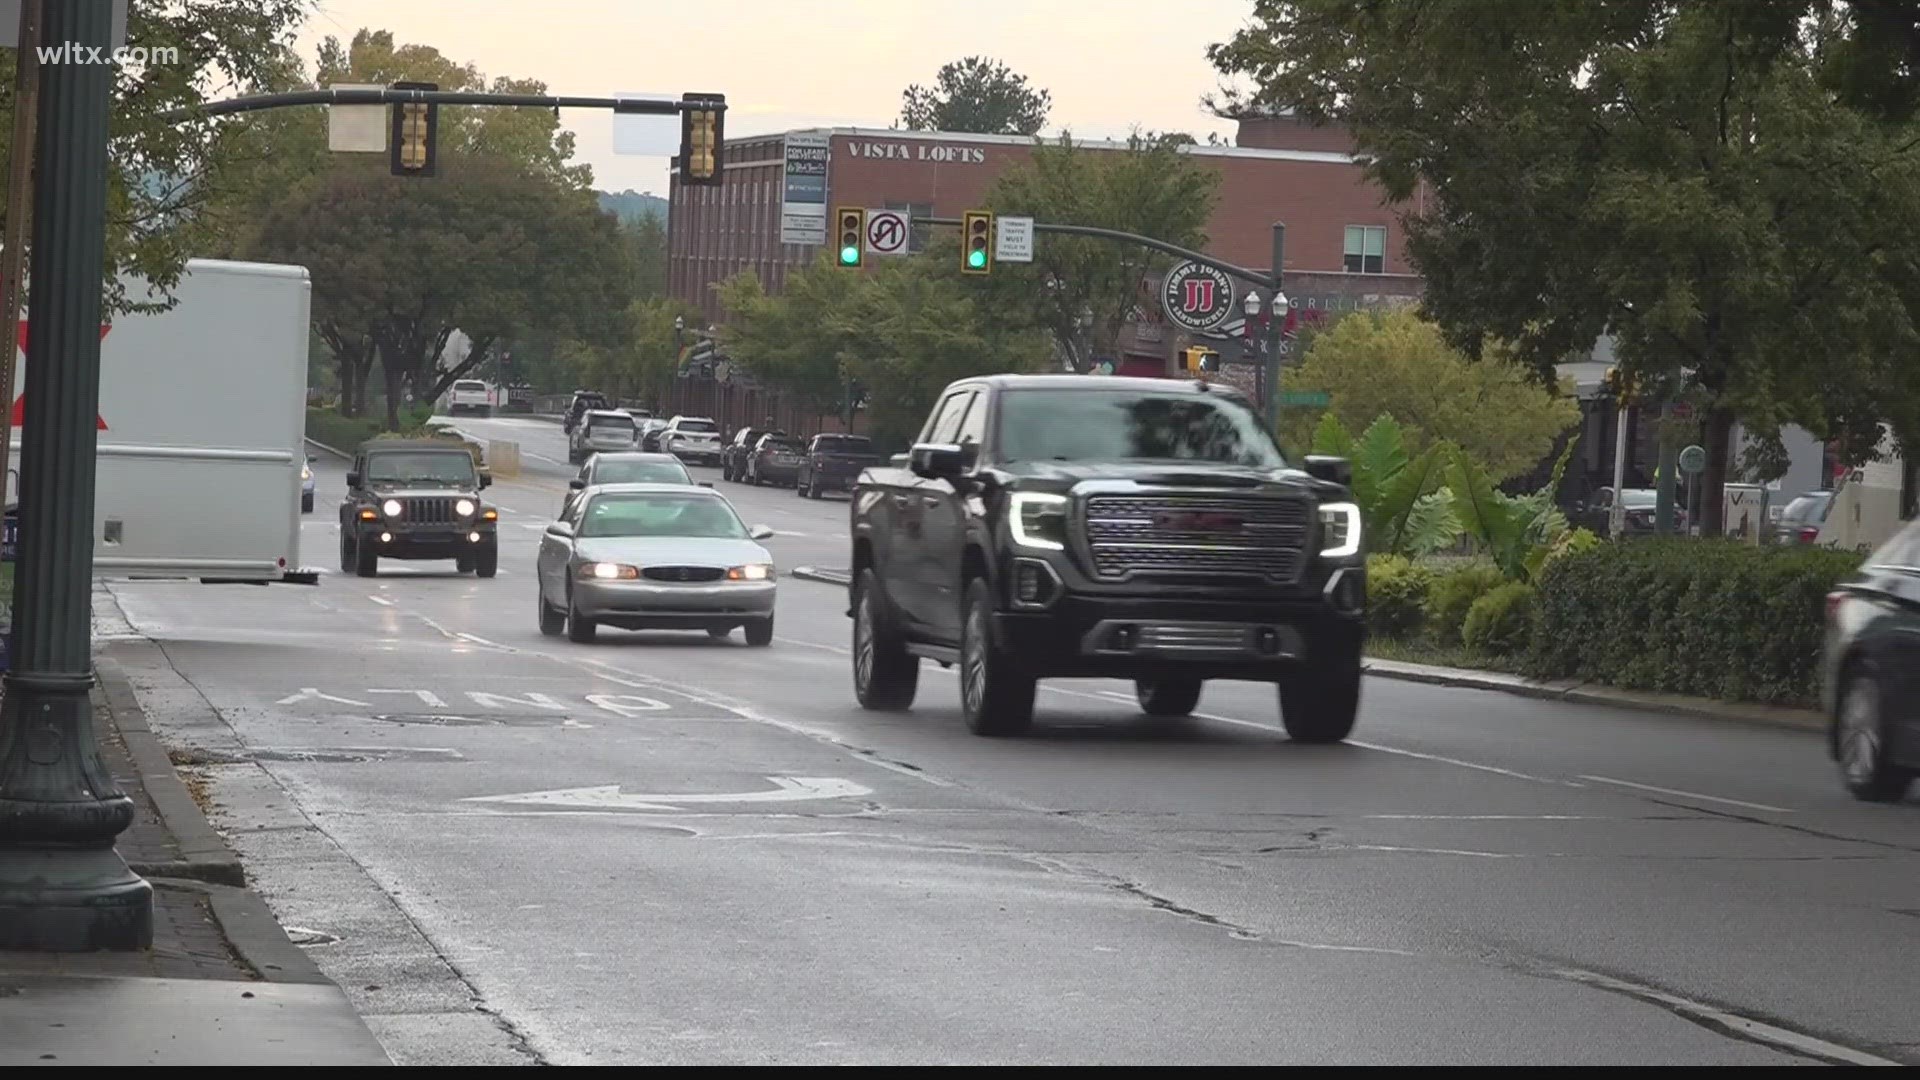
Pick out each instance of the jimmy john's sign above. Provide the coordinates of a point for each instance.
(945, 153)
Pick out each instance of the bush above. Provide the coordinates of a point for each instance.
(1711, 618)
(1452, 595)
(1501, 622)
(345, 433)
(1396, 593)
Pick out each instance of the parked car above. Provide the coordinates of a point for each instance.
(650, 430)
(833, 463)
(1640, 506)
(599, 430)
(733, 456)
(775, 460)
(469, 395)
(1870, 671)
(306, 486)
(692, 438)
(584, 401)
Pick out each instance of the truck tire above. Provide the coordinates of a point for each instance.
(1167, 697)
(1319, 704)
(885, 674)
(995, 696)
(487, 562)
(813, 486)
(366, 562)
(580, 629)
(760, 632)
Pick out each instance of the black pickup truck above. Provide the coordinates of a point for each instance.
(1100, 527)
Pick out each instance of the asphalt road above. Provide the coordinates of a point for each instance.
(661, 849)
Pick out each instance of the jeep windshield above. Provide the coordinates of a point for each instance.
(423, 468)
(1133, 425)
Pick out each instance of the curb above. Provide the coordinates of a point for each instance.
(205, 856)
(252, 932)
(1567, 690)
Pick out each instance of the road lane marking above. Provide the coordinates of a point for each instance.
(310, 693)
(1463, 764)
(626, 704)
(432, 699)
(381, 600)
(1688, 794)
(503, 701)
(610, 797)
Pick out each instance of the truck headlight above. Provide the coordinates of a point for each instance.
(391, 507)
(1341, 524)
(464, 507)
(751, 572)
(1038, 520)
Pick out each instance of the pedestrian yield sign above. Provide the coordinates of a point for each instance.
(20, 403)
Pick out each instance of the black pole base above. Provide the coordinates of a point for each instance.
(62, 886)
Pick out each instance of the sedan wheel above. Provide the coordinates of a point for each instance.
(1865, 766)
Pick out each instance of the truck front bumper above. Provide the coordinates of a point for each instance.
(446, 542)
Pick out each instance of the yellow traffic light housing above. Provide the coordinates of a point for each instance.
(1196, 359)
(976, 242)
(702, 139)
(412, 143)
(1622, 386)
(851, 236)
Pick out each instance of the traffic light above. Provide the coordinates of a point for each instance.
(1622, 386)
(852, 235)
(415, 133)
(976, 242)
(702, 138)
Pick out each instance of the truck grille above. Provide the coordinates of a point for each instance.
(683, 573)
(432, 510)
(1224, 535)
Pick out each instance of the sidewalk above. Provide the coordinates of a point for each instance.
(1555, 690)
(222, 985)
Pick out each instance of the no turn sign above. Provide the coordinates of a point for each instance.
(886, 232)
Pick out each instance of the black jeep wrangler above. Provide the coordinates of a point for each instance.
(1143, 529)
(417, 499)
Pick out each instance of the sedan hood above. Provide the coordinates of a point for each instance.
(670, 551)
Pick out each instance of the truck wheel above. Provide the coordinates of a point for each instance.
(487, 562)
(366, 562)
(1319, 705)
(813, 486)
(1167, 697)
(760, 632)
(885, 674)
(552, 621)
(996, 698)
(580, 629)
(1860, 740)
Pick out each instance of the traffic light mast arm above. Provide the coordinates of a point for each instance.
(390, 96)
(1203, 259)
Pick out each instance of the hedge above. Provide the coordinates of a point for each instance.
(343, 433)
(1714, 618)
(1453, 593)
(1396, 593)
(1501, 622)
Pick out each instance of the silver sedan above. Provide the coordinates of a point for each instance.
(651, 557)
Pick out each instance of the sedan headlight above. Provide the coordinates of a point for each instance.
(464, 507)
(391, 507)
(751, 572)
(1341, 524)
(606, 571)
(1038, 520)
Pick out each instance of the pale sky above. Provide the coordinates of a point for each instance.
(1110, 64)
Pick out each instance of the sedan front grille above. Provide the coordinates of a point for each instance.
(683, 573)
(1212, 535)
(432, 510)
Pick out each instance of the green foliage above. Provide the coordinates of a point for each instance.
(1452, 595)
(976, 94)
(1714, 618)
(1516, 530)
(329, 428)
(1432, 526)
(1501, 622)
(1396, 593)
(1395, 363)
(1395, 492)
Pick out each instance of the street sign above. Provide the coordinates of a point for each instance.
(19, 415)
(803, 202)
(887, 232)
(1013, 239)
(357, 129)
(1306, 399)
(1693, 460)
(1197, 297)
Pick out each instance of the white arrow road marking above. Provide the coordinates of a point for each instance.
(309, 693)
(610, 797)
(429, 697)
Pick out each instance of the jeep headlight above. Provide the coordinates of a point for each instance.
(1038, 520)
(391, 507)
(464, 507)
(1340, 524)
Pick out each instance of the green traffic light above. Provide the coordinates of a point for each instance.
(976, 259)
(849, 256)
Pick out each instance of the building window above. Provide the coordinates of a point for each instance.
(1366, 249)
(917, 234)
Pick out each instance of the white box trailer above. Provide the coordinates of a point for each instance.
(202, 429)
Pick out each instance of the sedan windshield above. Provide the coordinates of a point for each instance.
(640, 471)
(437, 467)
(661, 515)
(1127, 425)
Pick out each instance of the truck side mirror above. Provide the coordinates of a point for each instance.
(486, 479)
(938, 461)
(1333, 470)
(353, 479)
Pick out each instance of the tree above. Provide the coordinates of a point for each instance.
(1727, 188)
(1398, 364)
(976, 94)
(800, 341)
(1080, 290)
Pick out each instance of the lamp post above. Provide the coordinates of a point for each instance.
(62, 886)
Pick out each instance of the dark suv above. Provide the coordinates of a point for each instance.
(1143, 529)
(833, 463)
(417, 499)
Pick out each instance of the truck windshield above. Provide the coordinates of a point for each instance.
(465, 385)
(440, 468)
(843, 444)
(1128, 425)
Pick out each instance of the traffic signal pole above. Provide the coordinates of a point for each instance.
(62, 886)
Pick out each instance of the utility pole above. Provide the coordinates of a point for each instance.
(13, 253)
(62, 886)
